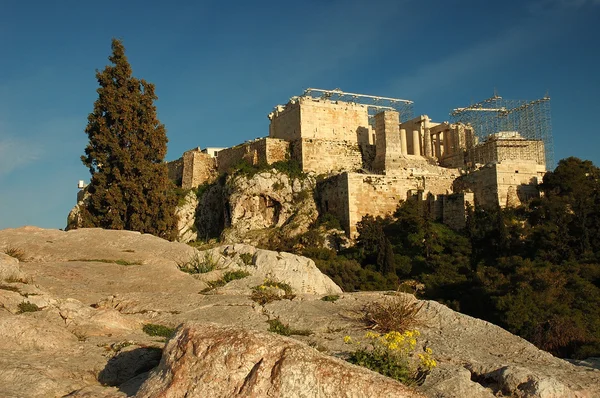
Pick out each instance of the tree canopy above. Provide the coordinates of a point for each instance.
(129, 188)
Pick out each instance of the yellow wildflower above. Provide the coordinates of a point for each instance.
(347, 339)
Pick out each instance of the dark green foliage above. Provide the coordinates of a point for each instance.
(384, 363)
(276, 326)
(152, 329)
(26, 306)
(129, 188)
(534, 270)
(332, 298)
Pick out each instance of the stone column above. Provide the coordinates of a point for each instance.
(416, 143)
(438, 146)
(403, 139)
(448, 145)
(426, 138)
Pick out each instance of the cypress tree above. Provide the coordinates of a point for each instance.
(129, 188)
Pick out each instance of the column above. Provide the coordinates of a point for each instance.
(403, 139)
(438, 146)
(416, 143)
(426, 138)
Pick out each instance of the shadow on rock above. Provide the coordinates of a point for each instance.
(129, 368)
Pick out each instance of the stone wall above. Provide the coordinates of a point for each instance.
(350, 196)
(491, 184)
(198, 168)
(501, 149)
(332, 197)
(454, 209)
(175, 170)
(263, 150)
(325, 156)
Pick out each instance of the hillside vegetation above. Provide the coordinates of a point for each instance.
(534, 270)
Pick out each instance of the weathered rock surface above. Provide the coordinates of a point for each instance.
(186, 218)
(205, 360)
(96, 288)
(9, 269)
(246, 209)
(299, 272)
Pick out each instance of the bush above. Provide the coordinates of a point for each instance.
(198, 265)
(28, 307)
(391, 355)
(268, 292)
(331, 298)
(394, 313)
(152, 329)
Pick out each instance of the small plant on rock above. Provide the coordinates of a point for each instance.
(276, 326)
(392, 355)
(247, 258)
(15, 252)
(227, 277)
(331, 298)
(269, 291)
(397, 312)
(26, 306)
(197, 264)
(152, 329)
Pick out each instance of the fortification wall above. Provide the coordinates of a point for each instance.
(264, 150)
(285, 122)
(325, 156)
(492, 184)
(198, 168)
(379, 195)
(322, 119)
(332, 197)
(175, 170)
(499, 150)
(454, 209)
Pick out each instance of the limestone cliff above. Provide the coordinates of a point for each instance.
(249, 209)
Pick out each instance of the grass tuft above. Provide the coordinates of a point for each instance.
(15, 252)
(198, 265)
(394, 313)
(152, 329)
(276, 326)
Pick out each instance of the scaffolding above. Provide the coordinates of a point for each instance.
(531, 119)
(373, 103)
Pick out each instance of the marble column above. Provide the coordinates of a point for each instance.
(416, 143)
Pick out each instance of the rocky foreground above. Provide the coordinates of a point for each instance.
(72, 312)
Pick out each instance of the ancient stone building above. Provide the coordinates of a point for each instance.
(369, 159)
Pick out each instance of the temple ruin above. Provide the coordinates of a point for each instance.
(371, 153)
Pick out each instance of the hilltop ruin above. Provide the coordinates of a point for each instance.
(371, 153)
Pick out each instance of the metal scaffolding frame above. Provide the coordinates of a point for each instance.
(373, 103)
(530, 118)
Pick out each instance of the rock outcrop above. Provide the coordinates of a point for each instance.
(186, 218)
(212, 361)
(244, 209)
(299, 272)
(72, 323)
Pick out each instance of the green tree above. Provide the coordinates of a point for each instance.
(129, 188)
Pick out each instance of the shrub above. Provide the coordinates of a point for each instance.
(267, 292)
(247, 258)
(28, 307)
(331, 298)
(227, 277)
(152, 329)
(278, 186)
(276, 326)
(391, 355)
(198, 265)
(394, 313)
(15, 252)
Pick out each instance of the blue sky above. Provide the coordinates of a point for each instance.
(220, 66)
